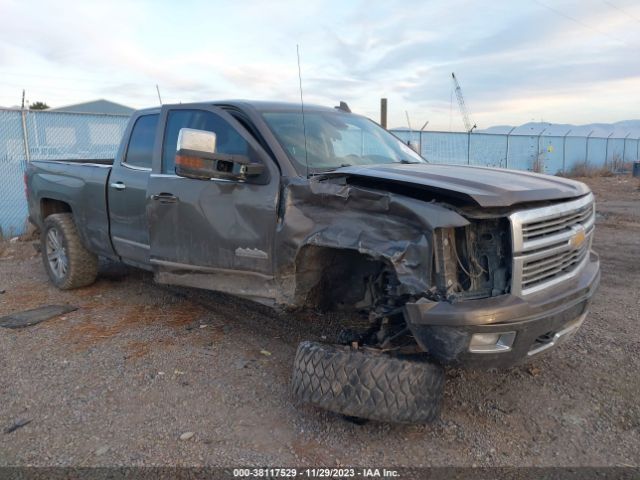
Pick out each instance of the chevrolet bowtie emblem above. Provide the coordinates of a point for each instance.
(578, 237)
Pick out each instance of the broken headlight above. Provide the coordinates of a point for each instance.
(473, 261)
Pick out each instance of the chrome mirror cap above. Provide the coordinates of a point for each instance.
(196, 140)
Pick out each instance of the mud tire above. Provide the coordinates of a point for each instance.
(367, 385)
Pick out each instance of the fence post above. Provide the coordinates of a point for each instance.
(638, 148)
(506, 156)
(536, 161)
(564, 151)
(25, 136)
(606, 150)
(624, 148)
(586, 153)
(469, 147)
(421, 132)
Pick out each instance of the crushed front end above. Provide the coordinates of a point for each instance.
(509, 285)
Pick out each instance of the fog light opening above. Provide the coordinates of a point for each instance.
(495, 342)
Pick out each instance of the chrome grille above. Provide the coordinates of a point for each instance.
(550, 244)
(543, 228)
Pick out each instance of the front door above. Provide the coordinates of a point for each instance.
(127, 193)
(216, 234)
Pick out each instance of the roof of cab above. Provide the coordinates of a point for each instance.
(271, 106)
(257, 105)
(147, 111)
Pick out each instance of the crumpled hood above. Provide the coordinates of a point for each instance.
(487, 187)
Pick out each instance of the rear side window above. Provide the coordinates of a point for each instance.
(143, 136)
(228, 140)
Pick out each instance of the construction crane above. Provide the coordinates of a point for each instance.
(463, 107)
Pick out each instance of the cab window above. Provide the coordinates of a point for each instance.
(140, 148)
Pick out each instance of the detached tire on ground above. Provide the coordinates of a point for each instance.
(67, 262)
(367, 385)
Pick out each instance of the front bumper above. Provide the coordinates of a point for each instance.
(540, 321)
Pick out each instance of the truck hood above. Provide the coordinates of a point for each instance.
(486, 187)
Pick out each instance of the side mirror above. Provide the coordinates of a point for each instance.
(413, 145)
(196, 157)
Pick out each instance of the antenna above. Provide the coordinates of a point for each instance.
(304, 126)
(159, 97)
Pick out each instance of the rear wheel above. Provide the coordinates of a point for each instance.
(67, 262)
(368, 385)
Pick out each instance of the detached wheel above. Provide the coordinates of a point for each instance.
(367, 385)
(67, 262)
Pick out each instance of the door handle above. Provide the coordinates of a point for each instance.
(118, 185)
(165, 197)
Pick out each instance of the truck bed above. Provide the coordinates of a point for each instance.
(80, 184)
(97, 161)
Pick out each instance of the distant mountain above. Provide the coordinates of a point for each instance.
(618, 129)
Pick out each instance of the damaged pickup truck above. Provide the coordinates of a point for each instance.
(440, 264)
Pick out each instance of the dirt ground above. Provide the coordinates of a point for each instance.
(119, 380)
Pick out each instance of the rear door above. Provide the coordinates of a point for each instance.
(127, 192)
(215, 234)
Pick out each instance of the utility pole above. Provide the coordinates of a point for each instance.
(383, 112)
(158, 90)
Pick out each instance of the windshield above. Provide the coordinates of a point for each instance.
(336, 139)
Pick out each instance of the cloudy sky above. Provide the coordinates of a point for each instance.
(554, 60)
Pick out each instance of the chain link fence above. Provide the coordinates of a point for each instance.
(550, 154)
(41, 135)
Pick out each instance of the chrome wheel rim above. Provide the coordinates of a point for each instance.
(56, 254)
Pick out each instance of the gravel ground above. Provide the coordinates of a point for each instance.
(121, 379)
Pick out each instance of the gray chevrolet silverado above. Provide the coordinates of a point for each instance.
(438, 264)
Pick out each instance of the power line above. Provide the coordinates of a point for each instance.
(621, 10)
(579, 22)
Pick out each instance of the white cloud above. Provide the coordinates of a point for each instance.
(515, 60)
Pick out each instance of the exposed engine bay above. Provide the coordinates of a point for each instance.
(472, 261)
(469, 262)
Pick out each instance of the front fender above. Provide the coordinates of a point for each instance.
(381, 224)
